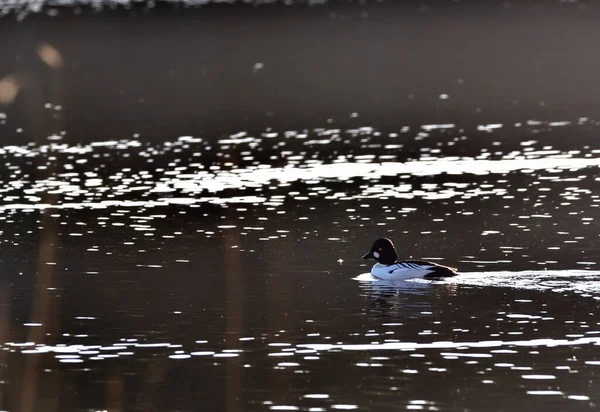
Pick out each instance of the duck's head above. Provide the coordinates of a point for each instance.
(383, 251)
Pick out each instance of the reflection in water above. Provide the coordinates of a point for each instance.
(5, 324)
(45, 312)
(235, 315)
(387, 297)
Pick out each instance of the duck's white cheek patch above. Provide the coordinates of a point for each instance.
(376, 254)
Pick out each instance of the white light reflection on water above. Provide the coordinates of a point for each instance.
(409, 346)
(545, 393)
(198, 184)
(191, 183)
(83, 352)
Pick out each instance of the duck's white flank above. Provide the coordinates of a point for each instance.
(401, 270)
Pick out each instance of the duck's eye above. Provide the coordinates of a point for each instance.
(380, 249)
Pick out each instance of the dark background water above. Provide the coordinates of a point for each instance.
(174, 71)
(205, 297)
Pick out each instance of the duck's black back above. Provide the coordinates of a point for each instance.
(439, 271)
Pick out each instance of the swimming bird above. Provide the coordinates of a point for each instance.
(388, 267)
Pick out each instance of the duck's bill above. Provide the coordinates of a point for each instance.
(368, 256)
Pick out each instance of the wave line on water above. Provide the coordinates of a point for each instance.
(407, 346)
(200, 186)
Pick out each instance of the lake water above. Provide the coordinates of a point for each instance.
(223, 275)
(220, 269)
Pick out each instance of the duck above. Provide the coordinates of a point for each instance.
(389, 268)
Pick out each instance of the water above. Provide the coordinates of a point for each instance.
(184, 232)
(226, 274)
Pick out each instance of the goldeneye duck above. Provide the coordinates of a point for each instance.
(388, 267)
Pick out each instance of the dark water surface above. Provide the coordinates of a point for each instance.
(206, 266)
